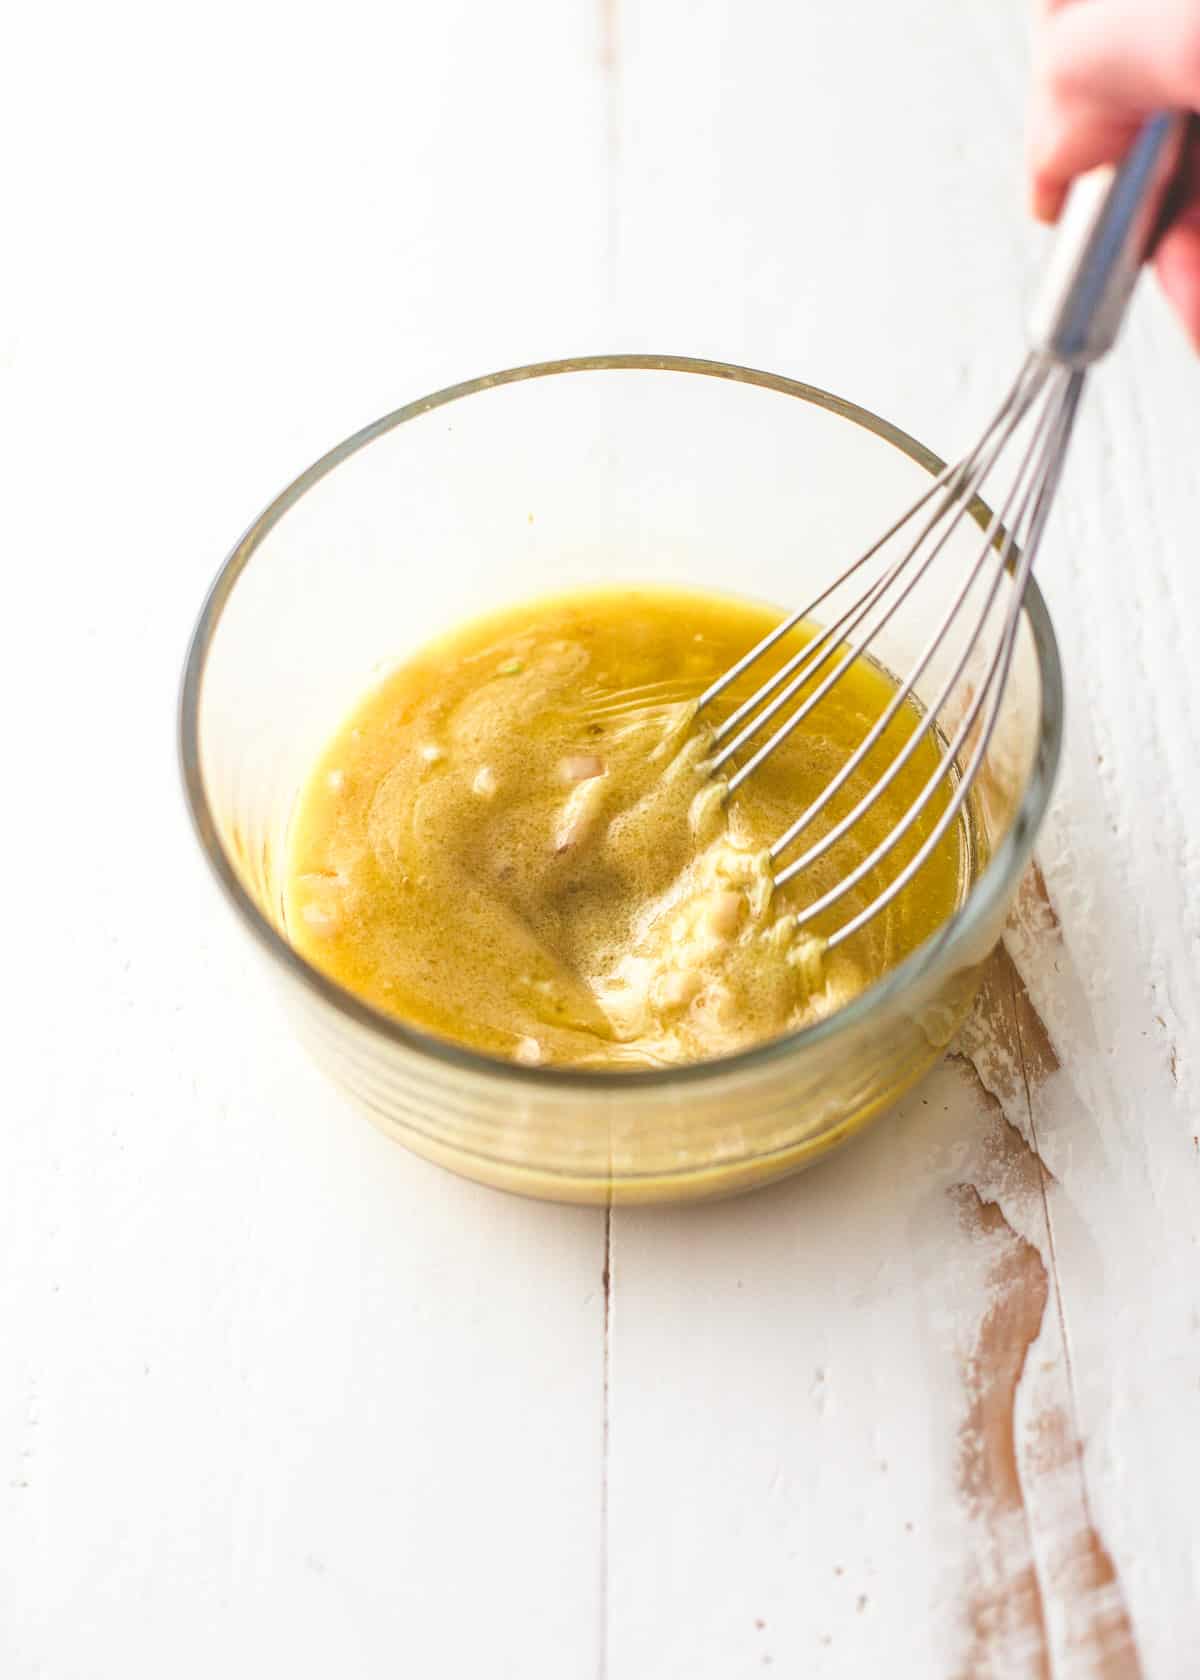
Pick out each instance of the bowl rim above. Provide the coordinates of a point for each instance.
(1002, 870)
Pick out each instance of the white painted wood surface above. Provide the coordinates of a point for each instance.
(276, 1397)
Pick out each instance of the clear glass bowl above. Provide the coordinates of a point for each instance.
(599, 469)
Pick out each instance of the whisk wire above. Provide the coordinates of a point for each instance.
(798, 617)
(854, 651)
(1035, 504)
(963, 483)
(949, 478)
(1002, 551)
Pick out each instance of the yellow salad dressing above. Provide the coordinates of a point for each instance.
(512, 842)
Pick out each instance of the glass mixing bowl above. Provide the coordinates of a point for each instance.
(596, 470)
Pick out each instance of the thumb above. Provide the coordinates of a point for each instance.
(1126, 54)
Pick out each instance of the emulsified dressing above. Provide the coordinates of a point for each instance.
(512, 841)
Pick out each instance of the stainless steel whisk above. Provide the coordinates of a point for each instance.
(1106, 233)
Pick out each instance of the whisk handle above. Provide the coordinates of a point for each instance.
(1108, 226)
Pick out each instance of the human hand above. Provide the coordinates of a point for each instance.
(1100, 68)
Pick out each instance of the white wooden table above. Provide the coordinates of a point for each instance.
(277, 1398)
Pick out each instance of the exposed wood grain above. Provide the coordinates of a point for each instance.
(1013, 1055)
(1005, 1604)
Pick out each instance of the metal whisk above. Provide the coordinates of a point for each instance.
(1107, 231)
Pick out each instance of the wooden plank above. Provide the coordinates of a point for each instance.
(275, 1395)
(876, 244)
